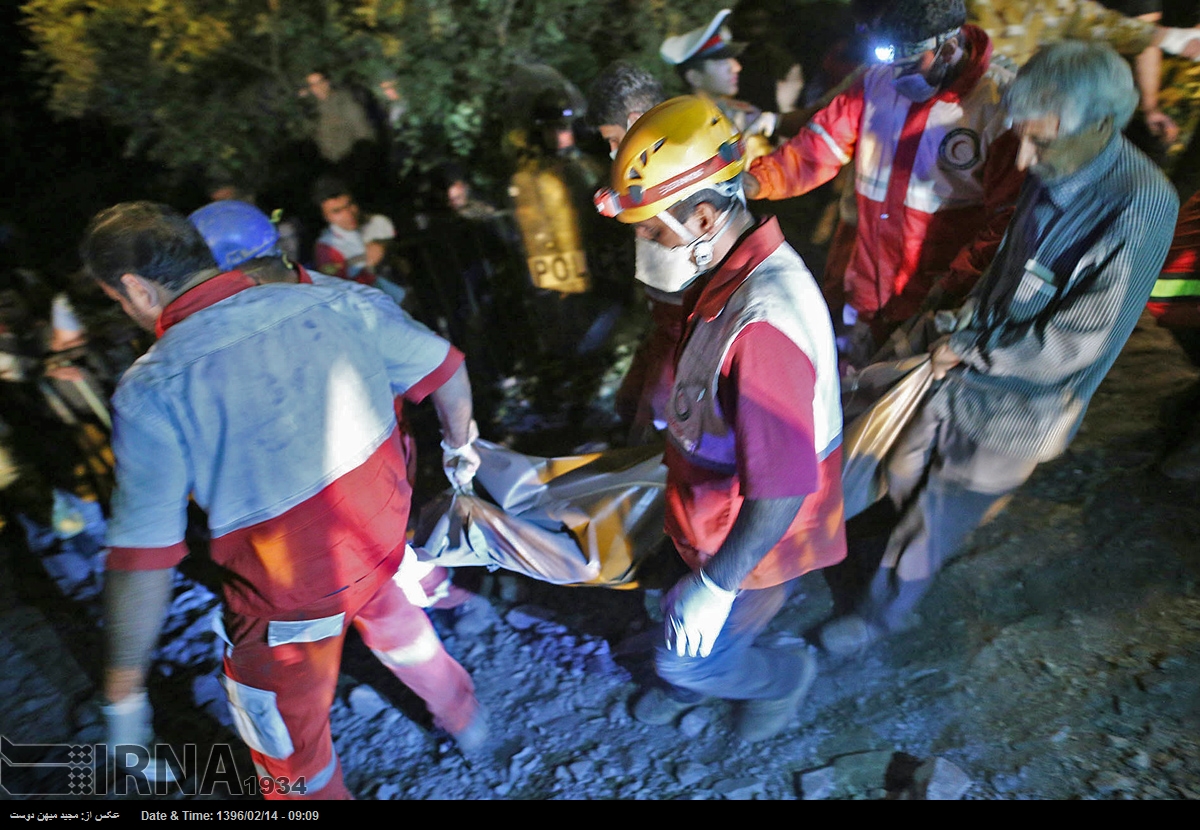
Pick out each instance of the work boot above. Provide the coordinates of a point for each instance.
(658, 708)
(758, 720)
(849, 635)
(473, 739)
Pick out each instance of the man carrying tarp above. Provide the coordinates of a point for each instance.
(934, 168)
(1039, 331)
(753, 454)
(272, 406)
(243, 238)
(1175, 304)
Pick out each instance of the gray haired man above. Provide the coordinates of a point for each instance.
(1038, 332)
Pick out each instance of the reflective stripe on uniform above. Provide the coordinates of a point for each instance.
(257, 719)
(322, 778)
(837, 151)
(281, 632)
(1166, 289)
(424, 649)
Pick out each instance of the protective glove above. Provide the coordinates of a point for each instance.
(696, 611)
(128, 723)
(461, 463)
(764, 125)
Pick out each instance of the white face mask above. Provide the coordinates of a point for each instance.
(914, 87)
(671, 270)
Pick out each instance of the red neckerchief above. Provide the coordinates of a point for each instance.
(755, 246)
(210, 292)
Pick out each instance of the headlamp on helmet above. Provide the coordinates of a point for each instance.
(887, 51)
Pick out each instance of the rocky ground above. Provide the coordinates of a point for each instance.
(1059, 658)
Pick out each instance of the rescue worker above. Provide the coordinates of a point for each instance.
(935, 168)
(1175, 304)
(616, 99)
(1039, 331)
(753, 454)
(242, 237)
(271, 407)
(707, 61)
(1170, 107)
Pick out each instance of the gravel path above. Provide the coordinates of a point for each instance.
(1059, 658)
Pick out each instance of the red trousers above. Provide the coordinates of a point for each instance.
(281, 678)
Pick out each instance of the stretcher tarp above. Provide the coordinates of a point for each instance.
(575, 520)
(596, 519)
(882, 399)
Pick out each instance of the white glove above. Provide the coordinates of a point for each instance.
(763, 125)
(128, 724)
(1175, 42)
(461, 463)
(695, 614)
(378, 228)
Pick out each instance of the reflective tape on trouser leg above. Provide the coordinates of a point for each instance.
(256, 716)
(322, 778)
(404, 640)
(422, 650)
(298, 678)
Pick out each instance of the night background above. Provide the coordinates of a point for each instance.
(1058, 659)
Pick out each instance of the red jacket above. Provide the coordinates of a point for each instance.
(936, 182)
(1175, 300)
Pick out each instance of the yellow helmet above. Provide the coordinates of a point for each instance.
(678, 148)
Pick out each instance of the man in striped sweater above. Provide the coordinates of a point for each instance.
(1038, 332)
(271, 406)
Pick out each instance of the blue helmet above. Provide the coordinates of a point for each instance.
(236, 232)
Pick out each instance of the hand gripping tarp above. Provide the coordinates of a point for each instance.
(576, 520)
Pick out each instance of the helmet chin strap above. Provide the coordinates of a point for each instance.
(702, 249)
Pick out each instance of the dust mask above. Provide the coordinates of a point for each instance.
(914, 87)
(671, 270)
